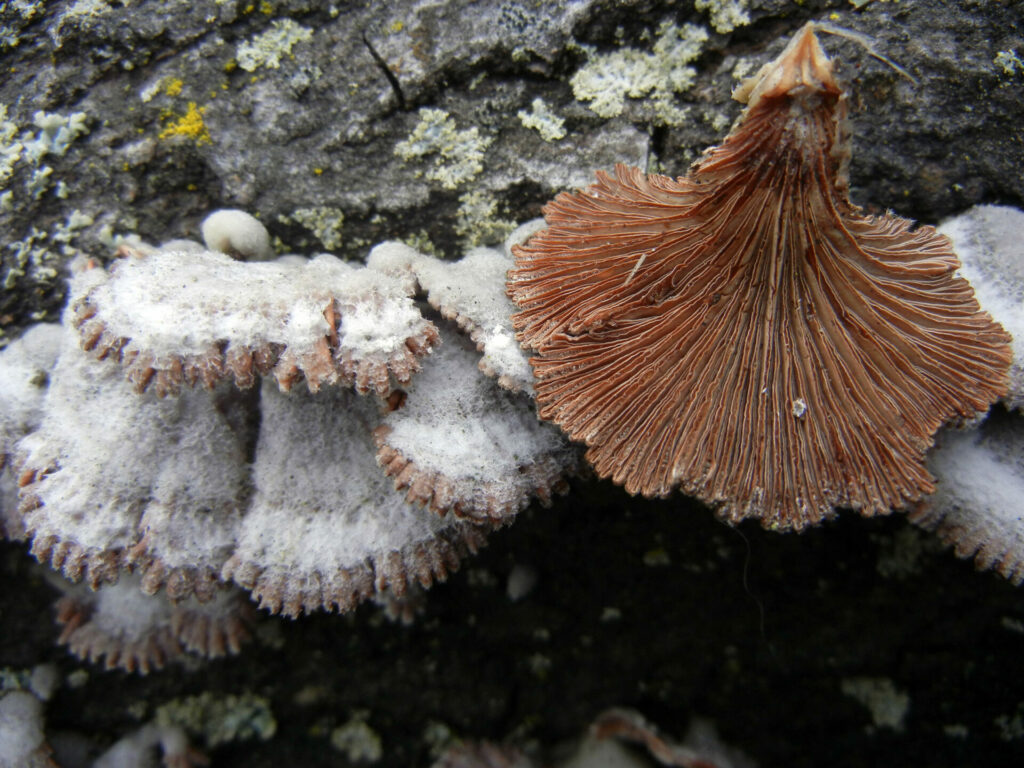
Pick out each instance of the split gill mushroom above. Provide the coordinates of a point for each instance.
(744, 332)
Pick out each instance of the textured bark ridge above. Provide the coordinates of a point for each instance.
(744, 332)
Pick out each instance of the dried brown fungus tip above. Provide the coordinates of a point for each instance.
(177, 318)
(461, 444)
(744, 332)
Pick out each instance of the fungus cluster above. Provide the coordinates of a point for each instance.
(745, 333)
(161, 431)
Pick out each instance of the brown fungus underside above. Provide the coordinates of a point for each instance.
(744, 332)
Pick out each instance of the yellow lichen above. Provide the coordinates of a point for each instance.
(190, 126)
(173, 86)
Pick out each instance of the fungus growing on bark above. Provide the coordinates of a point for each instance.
(237, 233)
(278, 491)
(459, 443)
(110, 479)
(174, 318)
(976, 507)
(324, 528)
(126, 629)
(470, 292)
(987, 240)
(744, 332)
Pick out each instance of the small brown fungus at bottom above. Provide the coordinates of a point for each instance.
(676, 323)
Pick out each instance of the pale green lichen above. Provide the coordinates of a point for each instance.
(606, 81)
(1009, 62)
(56, 133)
(39, 182)
(744, 68)
(39, 254)
(268, 48)
(10, 148)
(540, 118)
(477, 221)
(420, 241)
(457, 154)
(725, 15)
(719, 121)
(887, 705)
(324, 222)
(357, 740)
(219, 719)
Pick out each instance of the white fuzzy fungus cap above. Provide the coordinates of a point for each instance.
(112, 480)
(238, 234)
(471, 292)
(325, 529)
(173, 318)
(460, 443)
(280, 492)
(977, 505)
(22, 742)
(107, 468)
(25, 366)
(120, 626)
(139, 749)
(989, 240)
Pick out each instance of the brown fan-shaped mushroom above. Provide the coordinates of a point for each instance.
(744, 332)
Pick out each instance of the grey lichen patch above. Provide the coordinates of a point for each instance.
(1011, 727)
(1009, 62)
(325, 222)
(902, 555)
(16, 15)
(80, 13)
(420, 241)
(457, 154)
(725, 15)
(268, 48)
(540, 118)
(55, 135)
(607, 80)
(357, 740)
(37, 258)
(887, 705)
(477, 221)
(220, 719)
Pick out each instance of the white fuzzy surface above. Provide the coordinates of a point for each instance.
(176, 303)
(321, 503)
(473, 290)
(460, 424)
(989, 240)
(21, 728)
(232, 232)
(25, 366)
(124, 612)
(117, 453)
(979, 500)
